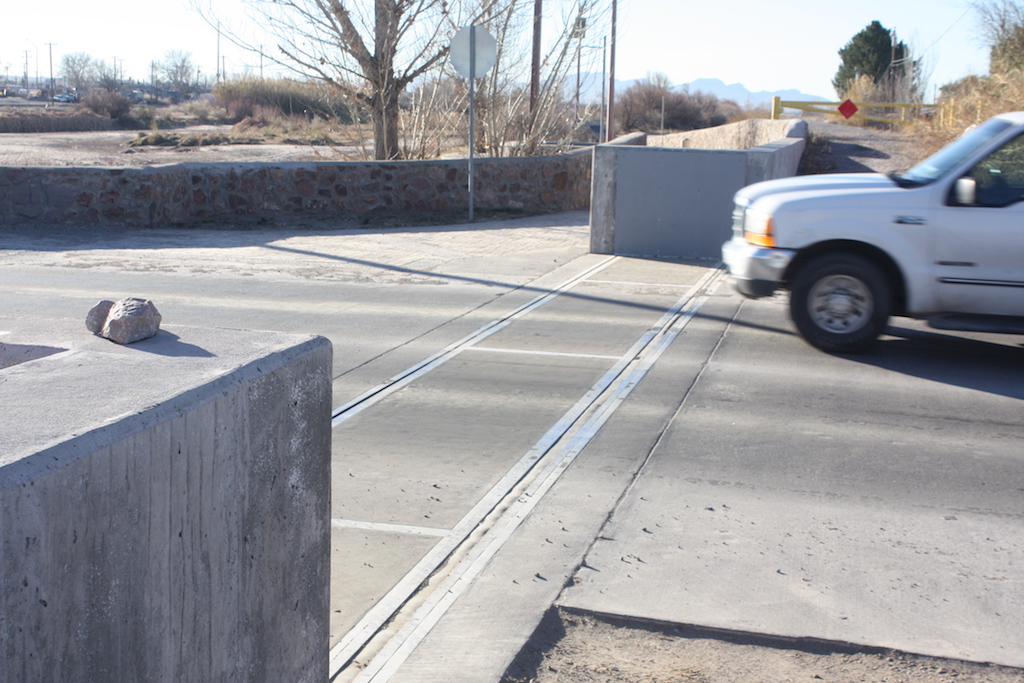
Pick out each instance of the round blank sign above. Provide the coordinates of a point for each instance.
(486, 51)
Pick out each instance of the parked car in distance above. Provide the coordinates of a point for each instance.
(943, 241)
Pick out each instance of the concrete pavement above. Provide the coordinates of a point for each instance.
(521, 424)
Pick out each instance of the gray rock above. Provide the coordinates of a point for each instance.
(131, 320)
(98, 316)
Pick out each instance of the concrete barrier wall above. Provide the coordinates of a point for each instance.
(189, 193)
(739, 135)
(677, 202)
(165, 507)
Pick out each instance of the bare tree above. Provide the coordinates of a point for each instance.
(105, 76)
(510, 125)
(1002, 27)
(178, 71)
(77, 69)
(506, 124)
(377, 53)
(371, 52)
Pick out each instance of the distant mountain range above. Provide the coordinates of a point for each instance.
(590, 91)
(740, 95)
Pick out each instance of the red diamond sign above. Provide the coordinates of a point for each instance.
(847, 109)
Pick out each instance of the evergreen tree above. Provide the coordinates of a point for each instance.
(869, 53)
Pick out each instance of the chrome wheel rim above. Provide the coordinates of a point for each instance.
(840, 304)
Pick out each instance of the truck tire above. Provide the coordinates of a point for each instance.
(840, 302)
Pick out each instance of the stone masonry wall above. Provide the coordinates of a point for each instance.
(186, 193)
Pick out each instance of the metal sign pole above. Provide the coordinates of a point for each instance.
(472, 111)
(463, 55)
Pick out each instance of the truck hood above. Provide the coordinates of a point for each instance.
(830, 182)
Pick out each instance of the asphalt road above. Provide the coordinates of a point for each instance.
(521, 423)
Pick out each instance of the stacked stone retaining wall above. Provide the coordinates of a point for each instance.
(349, 191)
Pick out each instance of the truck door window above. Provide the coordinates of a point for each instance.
(1000, 175)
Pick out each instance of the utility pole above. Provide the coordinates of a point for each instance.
(604, 85)
(892, 65)
(535, 68)
(579, 32)
(50, 45)
(218, 52)
(610, 128)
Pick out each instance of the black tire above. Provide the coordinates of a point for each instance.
(840, 302)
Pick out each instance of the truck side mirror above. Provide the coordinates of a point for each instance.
(966, 191)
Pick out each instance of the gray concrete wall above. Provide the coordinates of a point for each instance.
(164, 507)
(677, 202)
(739, 135)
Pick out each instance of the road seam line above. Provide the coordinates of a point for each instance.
(529, 352)
(381, 391)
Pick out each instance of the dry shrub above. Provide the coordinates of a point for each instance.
(647, 106)
(161, 139)
(200, 110)
(976, 98)
(970, 101)
(736, 113)
(108, 103)
(271, 125)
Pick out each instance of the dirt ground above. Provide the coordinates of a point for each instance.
(570, 648)
(110, 148)
(584, 649)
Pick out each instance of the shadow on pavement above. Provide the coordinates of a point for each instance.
(958, 361)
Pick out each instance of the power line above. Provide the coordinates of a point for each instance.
(973, 4)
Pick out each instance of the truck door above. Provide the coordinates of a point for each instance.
(979, 239)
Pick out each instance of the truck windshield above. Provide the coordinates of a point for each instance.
(952, 154)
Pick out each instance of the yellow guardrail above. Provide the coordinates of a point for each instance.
(833, 108)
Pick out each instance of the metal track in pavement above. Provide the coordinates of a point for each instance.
(385, 636)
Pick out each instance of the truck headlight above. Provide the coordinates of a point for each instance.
(759, 229)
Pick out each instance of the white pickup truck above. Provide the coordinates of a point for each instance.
(943, 241)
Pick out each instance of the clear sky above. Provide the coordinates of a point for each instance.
(763, 44)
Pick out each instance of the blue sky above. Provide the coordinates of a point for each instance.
(763, 44)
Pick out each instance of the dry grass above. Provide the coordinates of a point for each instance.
(266, 127)
(972, 100)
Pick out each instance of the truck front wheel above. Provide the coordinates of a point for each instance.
(840, 302)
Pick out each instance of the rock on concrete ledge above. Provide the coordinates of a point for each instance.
(164, 506)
